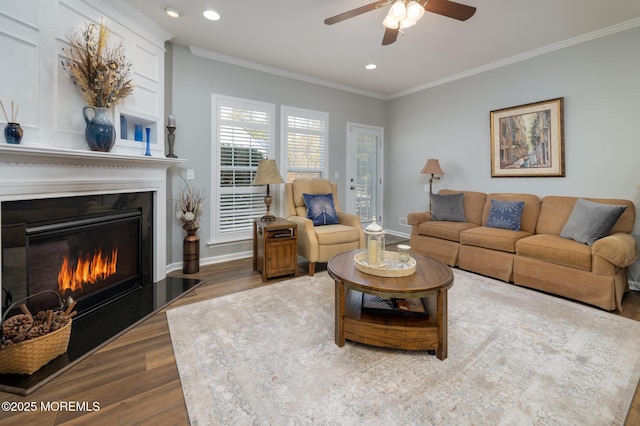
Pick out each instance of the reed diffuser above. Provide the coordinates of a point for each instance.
(12, 131)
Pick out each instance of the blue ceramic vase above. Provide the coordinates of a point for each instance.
(100, 132)
(13, 133)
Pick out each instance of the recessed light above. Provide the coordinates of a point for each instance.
(212, 15)
(172, 11)
(371, 67)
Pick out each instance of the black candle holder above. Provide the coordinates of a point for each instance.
(172, 140)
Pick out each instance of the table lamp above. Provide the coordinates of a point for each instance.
(267, 174)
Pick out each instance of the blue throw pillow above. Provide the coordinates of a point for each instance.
(320, 209)
(505, 214)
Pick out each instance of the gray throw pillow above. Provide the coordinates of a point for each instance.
(448, 207)
(590, 221)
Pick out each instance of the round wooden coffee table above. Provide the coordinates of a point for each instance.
(425, 330)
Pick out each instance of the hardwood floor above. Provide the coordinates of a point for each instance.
(135, 380)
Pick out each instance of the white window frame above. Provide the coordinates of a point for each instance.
(218, 101)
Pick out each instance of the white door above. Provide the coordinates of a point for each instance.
(364, 171)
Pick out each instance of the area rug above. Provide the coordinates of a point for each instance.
(267, 356)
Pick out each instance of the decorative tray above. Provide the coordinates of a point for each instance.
(393, 266)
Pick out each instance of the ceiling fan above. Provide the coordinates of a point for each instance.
(405, 13)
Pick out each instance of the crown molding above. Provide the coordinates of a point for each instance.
(523, 56)
(196, 51)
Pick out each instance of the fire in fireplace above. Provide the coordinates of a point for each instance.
(91, 259)
(88, 270)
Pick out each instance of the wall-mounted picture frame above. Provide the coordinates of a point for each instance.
(528, 140)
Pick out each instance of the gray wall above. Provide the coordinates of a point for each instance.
(195, 79)
(600, 83)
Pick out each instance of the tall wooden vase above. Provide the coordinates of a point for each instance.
(191, 252)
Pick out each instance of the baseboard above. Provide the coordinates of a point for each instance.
(176, 266)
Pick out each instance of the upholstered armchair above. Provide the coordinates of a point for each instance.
(334, 231)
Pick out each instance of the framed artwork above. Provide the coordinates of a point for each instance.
(528, 140)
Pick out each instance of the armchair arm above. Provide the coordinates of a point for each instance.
(307, 239)
(619, 248)
(354, 221)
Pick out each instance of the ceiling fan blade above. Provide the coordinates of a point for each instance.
(390, 36)
(450, 9)
(355, 12)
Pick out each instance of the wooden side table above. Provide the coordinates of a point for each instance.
(275, 248)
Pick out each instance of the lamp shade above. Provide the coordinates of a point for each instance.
(267, 173)
(432, 167)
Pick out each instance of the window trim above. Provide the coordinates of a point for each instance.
(217, 101)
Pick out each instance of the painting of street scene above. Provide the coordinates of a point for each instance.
(527, 140)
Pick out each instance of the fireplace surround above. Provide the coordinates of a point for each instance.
(85, 186)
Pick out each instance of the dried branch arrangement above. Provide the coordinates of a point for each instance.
(14, 113)
(101, 73)
(190, 205)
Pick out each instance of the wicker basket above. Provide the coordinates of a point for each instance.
(29, 356)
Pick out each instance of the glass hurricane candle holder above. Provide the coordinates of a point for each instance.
(374, 234)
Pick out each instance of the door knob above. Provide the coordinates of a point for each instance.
(352, 188)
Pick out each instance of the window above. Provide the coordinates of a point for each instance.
(305, 135)
(242, 135)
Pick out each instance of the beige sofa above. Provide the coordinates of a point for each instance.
(535, 256)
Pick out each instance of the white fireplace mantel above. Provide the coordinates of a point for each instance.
(28, 172)
(19, 154)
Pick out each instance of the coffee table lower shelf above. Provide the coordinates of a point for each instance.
(391, 330)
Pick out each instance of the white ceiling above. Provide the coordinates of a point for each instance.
(290, 37)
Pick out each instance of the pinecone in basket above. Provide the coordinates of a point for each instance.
(21, 327)
(17, 327)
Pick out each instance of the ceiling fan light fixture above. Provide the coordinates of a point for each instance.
(407, 22)
(414, 10)
(398, 9)
(391, 22)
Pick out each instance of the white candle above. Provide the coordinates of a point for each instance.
(373, 253)
(171, 121)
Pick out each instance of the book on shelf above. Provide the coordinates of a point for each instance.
(408, 307)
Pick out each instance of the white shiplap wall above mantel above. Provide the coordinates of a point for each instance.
(53, 159)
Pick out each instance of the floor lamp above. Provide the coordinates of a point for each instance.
(267, 174)
(433, 168)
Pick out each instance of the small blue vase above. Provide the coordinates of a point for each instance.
(148, 151)
(100, 133)
(13, 133)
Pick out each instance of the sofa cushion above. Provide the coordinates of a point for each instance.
(505, 214)
(320, 209)
(444, 230)
(449, 207)
(336, 234)
(555, 249)
(590, 221)
(492, 238)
